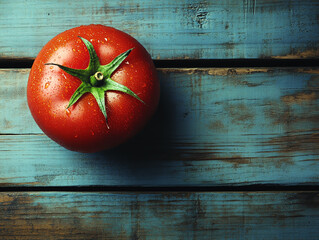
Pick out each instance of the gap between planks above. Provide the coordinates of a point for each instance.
(137, 189)
(196, 63)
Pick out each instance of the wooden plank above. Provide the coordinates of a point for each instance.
(125, 215)
(214, 127)
(37, 161)
(203, 101)
(14, 112)
(171, 29)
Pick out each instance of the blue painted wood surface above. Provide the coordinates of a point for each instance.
(214, 127)
(168, 215)
(171, 29)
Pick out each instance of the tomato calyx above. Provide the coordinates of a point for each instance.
(96, 78)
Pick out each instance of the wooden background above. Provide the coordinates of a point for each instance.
(232, 152)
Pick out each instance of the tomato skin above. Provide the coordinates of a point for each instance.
(83, 127)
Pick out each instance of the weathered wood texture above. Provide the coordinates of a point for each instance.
(221, 215)
(214, 127)
(171, 29)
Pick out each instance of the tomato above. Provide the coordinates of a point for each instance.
(92, 88)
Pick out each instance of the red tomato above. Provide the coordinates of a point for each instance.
(124, 100)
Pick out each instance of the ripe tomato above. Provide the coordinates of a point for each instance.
(92, 87)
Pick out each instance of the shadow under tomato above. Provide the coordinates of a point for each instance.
(146, 159)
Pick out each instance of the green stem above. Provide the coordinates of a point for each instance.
(96, 78)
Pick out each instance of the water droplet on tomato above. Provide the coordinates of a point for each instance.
(68, 112)
(75, 136)
(127, 62)
(92, 133)
(47, 84)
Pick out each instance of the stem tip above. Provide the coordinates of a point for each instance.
(98, 76)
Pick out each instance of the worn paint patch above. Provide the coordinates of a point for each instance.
(311, 53)
(45, 179)
(217, 125)
(168, 215)
(300, 98)
(24, 216)
(310, 71)
(236, 160)
(307, 199)
(287, 111)
(292, 143)
(282, 161)
(229, 45)
(6, 199)
(310, 93)
(197, 14)
(7, 124)
(236, 71)
(214, 71)
(240, 114)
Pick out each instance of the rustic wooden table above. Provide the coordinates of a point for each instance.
(232, 153)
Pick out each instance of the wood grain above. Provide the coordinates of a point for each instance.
(214, 127)
(171, 29)
(162, 215)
